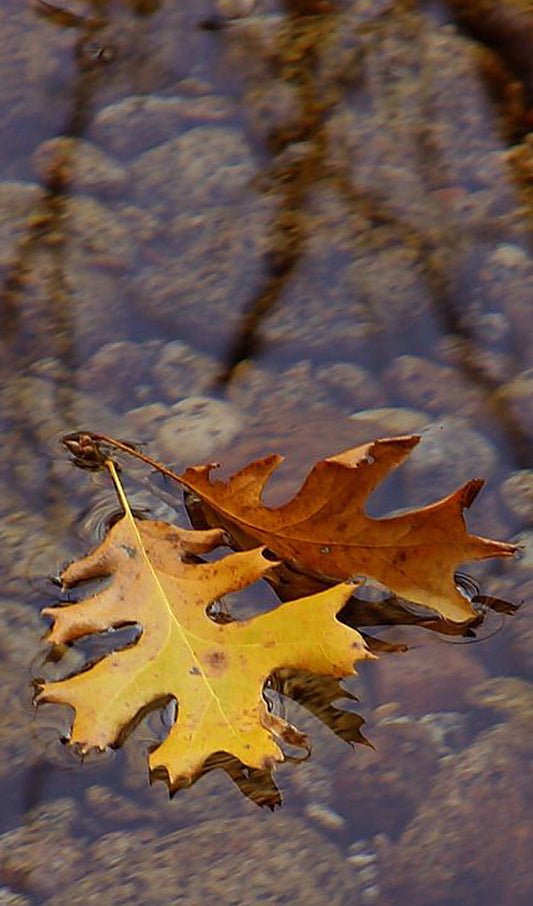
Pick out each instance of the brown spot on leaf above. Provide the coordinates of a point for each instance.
(216, 661)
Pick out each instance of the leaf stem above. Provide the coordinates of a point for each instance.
(125, 448)
(110, 465)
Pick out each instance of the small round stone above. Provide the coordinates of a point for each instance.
(517, 493)
(198, 427)
(449, 453)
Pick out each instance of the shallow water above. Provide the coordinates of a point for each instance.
(229, 240)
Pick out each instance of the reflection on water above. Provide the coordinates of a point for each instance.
(226, 241)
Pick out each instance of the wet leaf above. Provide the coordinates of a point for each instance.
(215, 671)
(324, 534)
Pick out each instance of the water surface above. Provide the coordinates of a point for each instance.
(225, 238)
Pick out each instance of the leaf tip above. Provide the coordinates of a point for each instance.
(469, 492)
(203, 470)
(403, 443)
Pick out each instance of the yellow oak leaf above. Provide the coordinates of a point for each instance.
(324, 532)
(215, 672)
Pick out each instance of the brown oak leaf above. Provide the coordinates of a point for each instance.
(325, 533)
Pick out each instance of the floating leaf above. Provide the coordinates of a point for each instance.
(215, 671)
(325, 533)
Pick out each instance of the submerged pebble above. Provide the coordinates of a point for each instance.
(180, 370)
(211, 165)
(200, 295)
(428, 679)
(351, 387)
(197, 429)
(117, 865)
(517, 394)
(450, 452)
(78, 164)
(140, 122)
(517, 493)
(437, 389)
(380, 788)
(325, 816)
(117, 370)
(487, 854)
